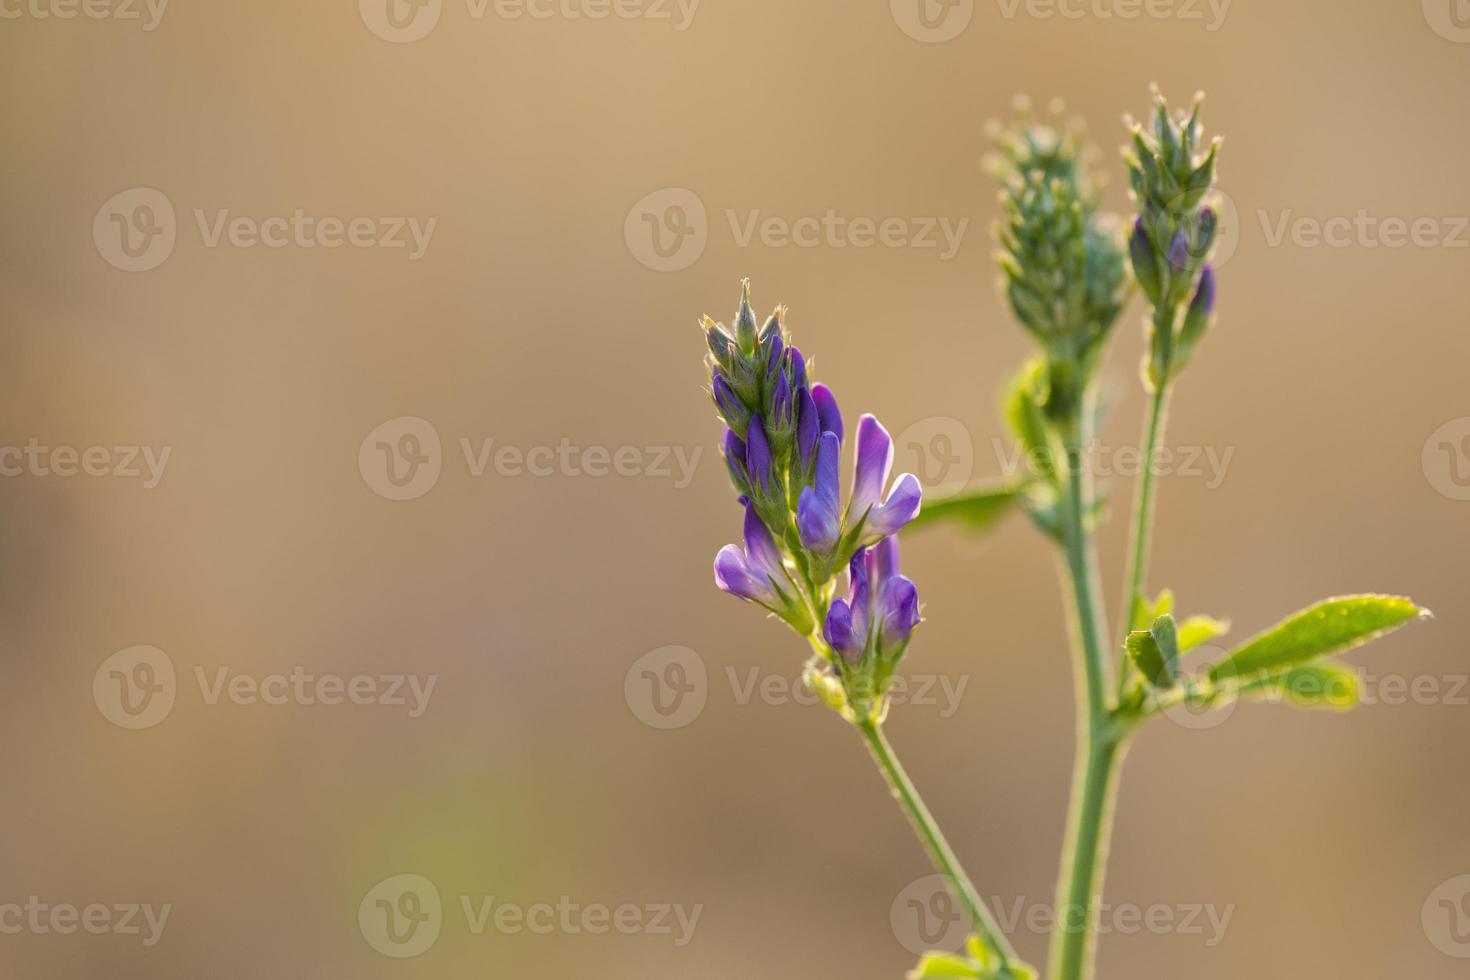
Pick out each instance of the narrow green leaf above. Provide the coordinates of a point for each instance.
(975, 509)
(1330, 626)
(1318, 685)
(1200, 629)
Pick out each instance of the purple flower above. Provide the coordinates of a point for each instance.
(1203, 303)
(781, 403)
(758, 454)
(731, 408)
(870, 475)
(808, 428)
(818, 511)
(1179, 252)
(752, 573)
(881, 608)
(798, 367)
(827, 411)
(773, 358)
(735, 458)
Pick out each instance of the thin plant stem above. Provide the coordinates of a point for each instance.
(1142, 531)
(1099, 738)
(933, 840)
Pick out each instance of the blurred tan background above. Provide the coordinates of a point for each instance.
(543, 313)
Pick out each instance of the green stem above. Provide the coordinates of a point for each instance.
(1099, 739)
(933, 840)
(1143, 513)
(1089, 828)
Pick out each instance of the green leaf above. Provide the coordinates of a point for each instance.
(1156, 652)
(1200, 629)
(1145, 612)
(1144, 651)
(1020, 406)
(1322, 685)
(1166, 636)
(975, 509)
(944, 965)
(1331, 626)
(982, 963)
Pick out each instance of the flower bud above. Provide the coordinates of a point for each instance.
(1197, 318)
(735, 460)
(1179, 253)
(731, 408)
(745, 332)
(798, 366)
(719, 344)
(1145, 262)
(781, 417)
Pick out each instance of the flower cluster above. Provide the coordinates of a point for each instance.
(1061, 260)
(1172, 237)
(782, 443)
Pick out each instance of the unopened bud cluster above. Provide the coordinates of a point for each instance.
(1061, 260)
(1171, 174)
